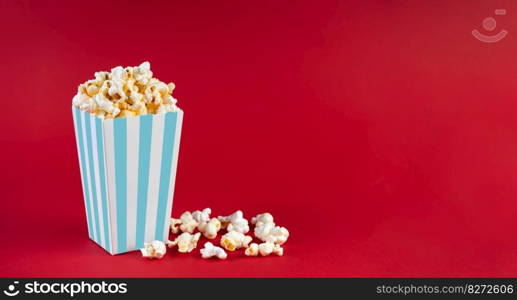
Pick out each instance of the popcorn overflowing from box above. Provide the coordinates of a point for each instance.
(128, 128)
(125, 92)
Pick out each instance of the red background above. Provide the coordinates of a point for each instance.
(380, 133)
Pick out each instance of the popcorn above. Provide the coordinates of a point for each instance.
(235, 222)
(267, 248)
(186, 223)
(210, 251)
(235, 240)
(154, 249)
(84, 102)
(271, 233)
(155, 91)
(186, 242)
(175, 225)
(126, 113)
(105, 105)
(252, 250)
(272, 236)
(262, 219)
(202, 216)
(267, 231)
(264, 249)
(92, 89)
(143, 73)
(125, 92)
(209, 229)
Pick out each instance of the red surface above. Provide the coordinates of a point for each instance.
(381, 133)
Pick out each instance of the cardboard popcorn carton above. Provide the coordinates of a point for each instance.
(128, 171)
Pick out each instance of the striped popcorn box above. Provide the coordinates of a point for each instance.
(128, 170)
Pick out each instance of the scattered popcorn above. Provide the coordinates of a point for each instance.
(209, 229)
(267, 231)
(271, 235)
(125, 92)
(210, 251)
(186, 242)
(154, 249)
(235, 222)
(202, 216)
(235, 240)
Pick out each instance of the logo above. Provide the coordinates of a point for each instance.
(67, 288)
(489, 24)
(11, 290)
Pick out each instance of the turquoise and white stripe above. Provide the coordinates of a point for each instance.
(128, 170)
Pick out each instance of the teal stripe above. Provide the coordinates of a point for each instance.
(78, 122)
(88, 129)
(144, 156)
(120, 128)
(165, 173)
(102, 177)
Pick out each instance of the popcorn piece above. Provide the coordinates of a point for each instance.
(210, 251)
(188, 224)
(235, 222)
(202, 216)
(163, 108)
(154, 249)
(105, 105)
(264, 249)
(186, 242)
(278, 250)
(126, 113)
(262, 219)
(175, 225)
(271, 233)
(118, 81)
(209, 229)
(252, 250)
(155, 91)
(267, 248)
(235, 240)
(92, 89)
(171, 86)
(83, 102)
(267, 231)
(143, 73)
(100, 77)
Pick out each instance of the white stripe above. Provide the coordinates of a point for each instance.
(109, 156)
(170, 194)
(106, 185)
(95, 153)
(87, 163)
(133, 136)
(80, 166)
(154, 176)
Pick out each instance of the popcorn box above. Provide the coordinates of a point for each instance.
(128, 171)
